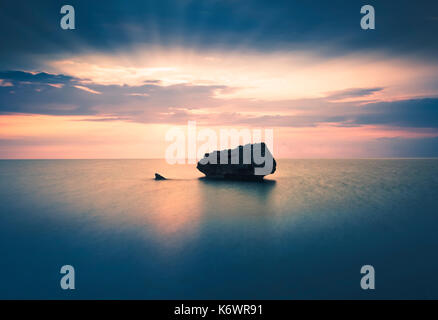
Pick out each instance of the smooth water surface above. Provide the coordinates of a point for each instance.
(303, 233)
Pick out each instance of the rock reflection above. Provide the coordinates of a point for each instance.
(236, 198)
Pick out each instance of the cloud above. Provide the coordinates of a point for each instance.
(57, 94)
(329, 27)
(402, 147)
(4, 83)
(43, 93)
(352, 93)
(15, 76)
(415, 113)
(88, 89)
(53, 94)
(408, 113)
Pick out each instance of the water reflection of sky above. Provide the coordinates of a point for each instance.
(301, 233)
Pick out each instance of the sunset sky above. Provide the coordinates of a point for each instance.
(131, 70)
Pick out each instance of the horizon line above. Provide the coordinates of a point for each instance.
(282, 158)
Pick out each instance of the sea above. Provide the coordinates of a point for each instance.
(305, 232)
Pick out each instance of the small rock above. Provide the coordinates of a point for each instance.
(159, 177)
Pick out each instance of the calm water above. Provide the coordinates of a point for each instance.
(304, 233)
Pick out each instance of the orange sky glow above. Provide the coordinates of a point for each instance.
(255, 84)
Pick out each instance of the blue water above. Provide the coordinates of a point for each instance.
(304, 233)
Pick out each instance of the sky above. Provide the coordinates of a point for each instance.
(132, 70)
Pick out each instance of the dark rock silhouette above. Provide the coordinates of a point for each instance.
(159, 177)
(235, 167)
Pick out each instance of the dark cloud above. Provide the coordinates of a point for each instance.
(409, 113)
(417, 113)
(31, 30)
(42, 77)
(43, 93)
(51, 94)
(403, 147)
(152, 81)
(353, 93)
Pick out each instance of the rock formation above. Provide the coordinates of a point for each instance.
(249, 162)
